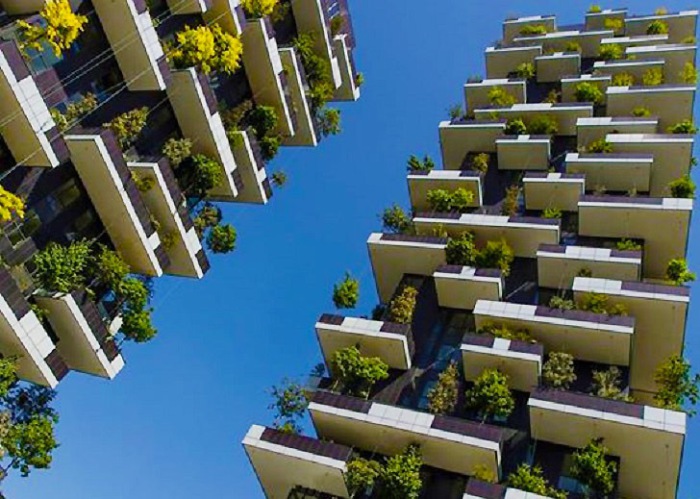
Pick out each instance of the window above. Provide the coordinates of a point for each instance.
(68, 193)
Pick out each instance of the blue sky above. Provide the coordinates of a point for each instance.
(170, 425)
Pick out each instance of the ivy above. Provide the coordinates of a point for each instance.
(208, 48)
(59, 29)
(530, 479)
(402, 306)
(357, 374)
(591, 468)
(346, 293)
(490, 395)
(677, 386)
(416, 165)
(11, 205)
(442, 398)
(558, 371)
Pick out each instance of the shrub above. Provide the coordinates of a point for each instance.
(395, 220)
(263, 119)
(572, 47)
(525, 70)
(552, 97)
(110, 268)
(606, 384)
(678, 273)
(75, 111)
(610, 51)
(689, 74)
(346, 292)
(585, 272)
(501, 98)
(480, 162)
(628, 245)
(676, 385)
(653, 77)
(137, 326)
(289, 402)
(530, 479)
(415, 165)
(177, 151)
(455, 111)
(259, 8)
(661, 11)
(551, 213)
(62, 269)
(337, 24)
(690, 40)
(128, 126)
(207, 48)
(505, 332)
(11, 205)
(561, 303)
(598, 304)
(614, 24)
(590, 467)
(400, 477)
(318, 70)
(143, 184)
(484, 474)
(558, 371)
(361, 474)
(359, 79)
(206, 173)
(356, 373)
(329, 121)
(59, 29)
(684, 127)
(511, 201)
(657, 27)
(543, 125)
(402, 306)
(269, 146)
(442, 200)
(279, 178)
(495, 255)
(683, 187)
(641, 112)
(622, 80)
(589, 92)
(533, 29)
(461, 250)
(222, 239)
(515, 127)
(442, 398)
(208, 216)
(490, 395)
(595, 9)
(600, 146)
(134, 293)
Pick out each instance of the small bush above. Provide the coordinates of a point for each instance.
(515, 127)
(461, 250)
(177, 151)
(128, 126)
(206, 174)
(337, 24)
(416, 165)
(526, 70)
(501, 98)
(572, 47)
(551, 213)
(614, 24)
(591, 468)
(279, 178)
(543, 125)
(661, 11)
(490, 395)
(11, 205)
(689, 40)
(402, 306)
(689, 74)
(561, 303)
(611, 51)
(62, 269)
(628, 245)
(329, 121)
(505, 332)
(357, 373)
(686, 127)
(396, 221)
(346, 292)
(676, 385)
(657, 27)
(443, 201)
(552, 97)
(623, 80)
(455, 111)
(683, 187)
(641, 112)
(606, 384)
(678, 273)
(480, 162)
(597, 303)
(653, 77)
(584, 272)
(530, 479)
(595, 9)
(208, 48)
(534, 29)
(75, 111)
(222, 239)
(600, 146)
(495, 255)
(259, 8)
(511, 201)
(60, 28)
(442, 398)
(589, 92)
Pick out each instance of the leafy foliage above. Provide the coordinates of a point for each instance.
(678, 273)
(357, 374)
(329, 121)
(641, 112)
(137, 325)
(490, 395)
(346, 292)
(530, 479)
(499, 97)
(480, 162)
(442, 200)
(62, 269)
(614, 24)
(590, 467)
(683, 187)
(318, 70)
(558, 371)
(59, 29)
(515, 126)
(259, 8)
(400, 475)
(337, 24)
(416, 165)
(74, 112)
(572, 47)
(653, 77)
(598, 304)
(600, 146)
(455, 111)
(553, 97)
(495, 255)
(595, 9)
(676, 385)
(204, 174)
(361, 474)
(525, 70)
(543, 125)
(511, 201)
(689, 74)
(110, 268)
(684, 127)
(396, 221)
(128, 126)
(402, 306)
(611, 51)
(177, 150)
(279, 178)
(561, 303)
(657, 27)
(222, 238)
(628, 245)
(461, 250)
(442, 398)
(289, 402)
(208, 48)
(551, 212)
(506, 332)
(606, 384)
(208, 216)
(11, 205)
(533, 29)
(589, 92)
(622, 80)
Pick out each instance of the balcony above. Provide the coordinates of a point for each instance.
(461, 287)
(264, 70)
(633, 67)
(284, 461)
(635, 41)
(348, 89)
(520, 361)
(16, 7)
(512, 27)
(569, 84)
(252, 169)
(180, 7)
(393, 343)
(644, 438)
(672, 155)
(196, 109)
(523, 152)
(553, 67)
(228, 14)
(590, 130)
(476, 94)
(420, 184)
(27, 127)
(446, 443)
(85, 341)
(585, 335)
(461, 137)
(501, 62)
(681, 24)
(134, 42)
(617, 172)
(596, 20)
(674, 56)
(23, 335)
(558, 40)
(523, 234)
(166, 203)
(670, 103)
(660, 312)
(393, 255)
(558, 266)
(661, 222)
(566, 114)
(553, 190)
(312, 17)
(101, 167)
(305, 131)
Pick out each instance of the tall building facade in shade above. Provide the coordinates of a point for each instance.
(118, 186)
(563, 196)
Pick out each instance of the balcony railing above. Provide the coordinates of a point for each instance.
(590, 402)
(94, 320)
(12, 294)
(307, 444)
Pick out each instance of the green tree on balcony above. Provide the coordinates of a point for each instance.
(207, 48)
(259, 8)
(11, 205)
(677, 386)
(442, 398)
(403, 305)
(177, 151)
(361, 475)
(222, 238)
(678, 273)
(62, 269)
(289, 401)
(128, 126)
(416, 165)
(591, 468)
(59, 29)
(490, 395)
(357, 374)
(558, 372)
(396, 221)
(346, 292)
(400, 475)
(530, 479)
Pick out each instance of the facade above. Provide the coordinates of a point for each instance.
(81, 180)
(567, 158)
